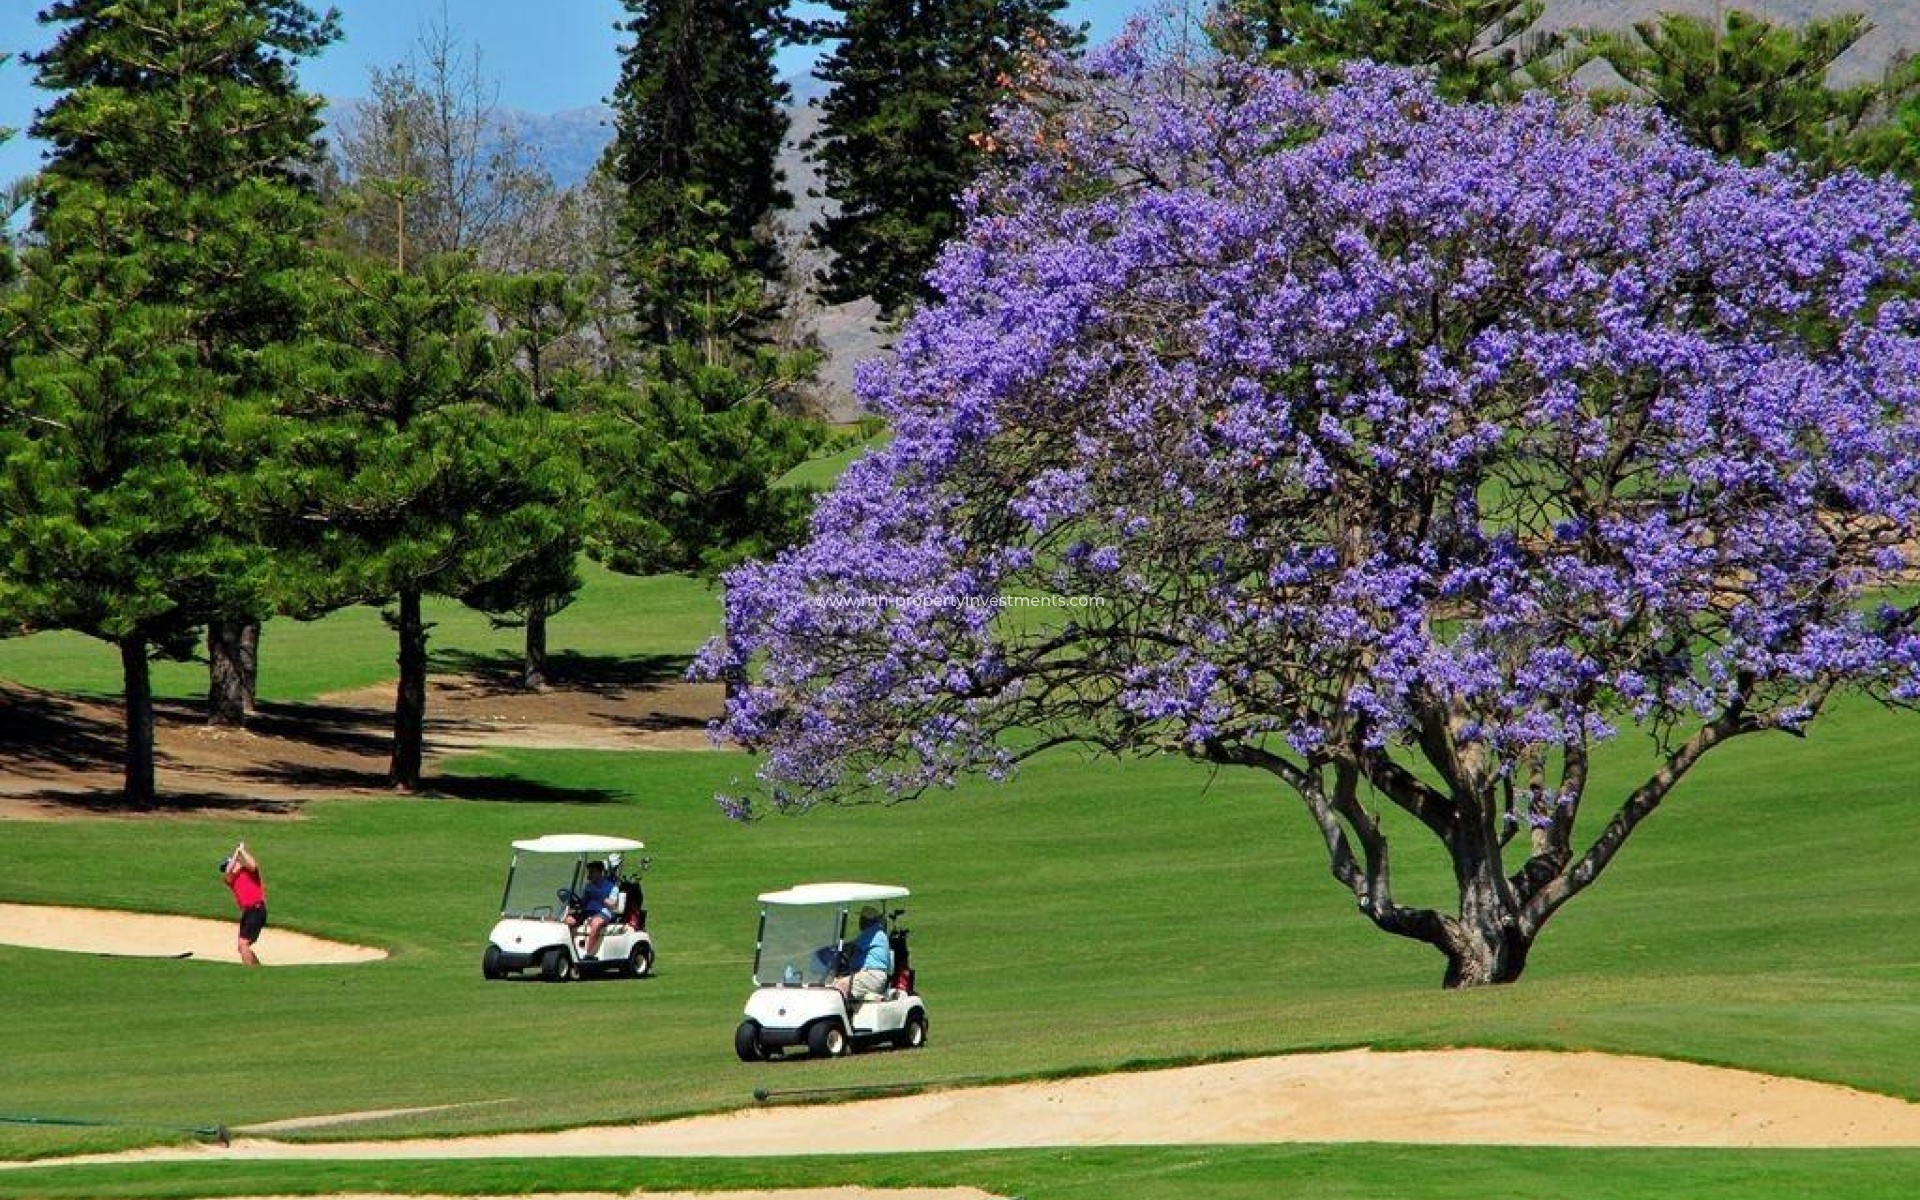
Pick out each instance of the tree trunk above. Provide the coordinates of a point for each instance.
(1485, 942)
(410, 701)
(138, 688)
(533, 675)
(1481, 955)
(233, 671)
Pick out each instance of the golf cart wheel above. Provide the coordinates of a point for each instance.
(827, 1040)
(746, 1042)
(490, 967)
(556, 965)
(640, 962)
(913, 1034)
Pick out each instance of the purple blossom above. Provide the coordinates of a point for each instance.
(1409, 424)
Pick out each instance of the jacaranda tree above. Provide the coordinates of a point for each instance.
(1403, 451)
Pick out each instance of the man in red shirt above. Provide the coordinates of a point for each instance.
(242, 873)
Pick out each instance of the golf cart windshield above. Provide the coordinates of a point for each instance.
(533, 890)
(798, 944)
(544, 867)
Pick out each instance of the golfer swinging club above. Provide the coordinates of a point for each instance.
(242, 873)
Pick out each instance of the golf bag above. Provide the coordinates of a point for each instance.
(902, 965)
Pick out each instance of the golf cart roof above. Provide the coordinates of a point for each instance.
(834, 893)
(578, 843)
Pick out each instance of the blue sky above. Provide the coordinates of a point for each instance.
(546, 55)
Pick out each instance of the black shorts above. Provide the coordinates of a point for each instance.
(252, 921)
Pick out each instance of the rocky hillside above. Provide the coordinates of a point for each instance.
(1896, 23)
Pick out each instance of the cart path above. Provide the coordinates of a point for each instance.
(1456, 1097)
(149, 935)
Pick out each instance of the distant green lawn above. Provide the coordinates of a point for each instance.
(821, 472)
(1768, 918)
(615, 615)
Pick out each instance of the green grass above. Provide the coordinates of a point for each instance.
(1766, 918)
(1180, 916)
(822, 471)
(615, 615)
(1303, 1172)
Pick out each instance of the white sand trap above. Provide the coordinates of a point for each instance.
(1454, 1097)
(147, 935)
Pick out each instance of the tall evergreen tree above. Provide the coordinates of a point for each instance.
(1477, 49)
(1745, 87)
(914, 85)
(109, 524)
(686, 444)
(687, 468)
(699, 116)
(541, 320)
(167, 218)
(185, 117)
(409, 471)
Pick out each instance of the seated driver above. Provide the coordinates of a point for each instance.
(871, 957)
(594, 904)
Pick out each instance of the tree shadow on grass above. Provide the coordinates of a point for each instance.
(68, 752)
(514, 789)
(41, 733)
(492, 788)
(324, 726)
(108, 801)
(663, 722)
(361, 740)
(498, 673)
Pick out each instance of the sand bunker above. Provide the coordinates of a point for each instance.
(1458, 1097)
(145, 935)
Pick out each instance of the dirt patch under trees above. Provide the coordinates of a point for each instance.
(60, 755)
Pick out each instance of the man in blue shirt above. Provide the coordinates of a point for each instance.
(594, 904)
(870, 957)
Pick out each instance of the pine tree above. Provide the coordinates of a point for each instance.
(542, 320)
(185, 118)
(687, 468)
(1477, 49)
(1889, 139)
(410, 470)
(687, 443)
(1746, 88)
(914, 84)
(164, 223)
(699, 116)
(109, 525)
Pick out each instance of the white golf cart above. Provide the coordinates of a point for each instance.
(544, 883)
(803, 947)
